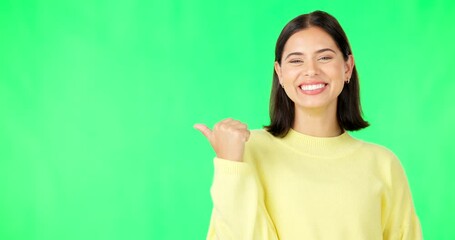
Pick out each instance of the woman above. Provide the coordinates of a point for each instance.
(305, 177)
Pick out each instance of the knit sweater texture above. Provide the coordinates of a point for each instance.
(304, 187)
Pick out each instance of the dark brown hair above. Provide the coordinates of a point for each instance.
(349, 111)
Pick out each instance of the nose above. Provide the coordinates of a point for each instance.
(310, 68)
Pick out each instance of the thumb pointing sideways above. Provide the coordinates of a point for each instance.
(204, 130)
(227, 138)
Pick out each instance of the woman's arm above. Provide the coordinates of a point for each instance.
(238, 200)
(238, 204)
(401, 221)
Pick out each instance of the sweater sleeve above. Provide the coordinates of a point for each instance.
(401, 221)
(238, 204)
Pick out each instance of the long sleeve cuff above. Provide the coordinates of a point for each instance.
(223, 166)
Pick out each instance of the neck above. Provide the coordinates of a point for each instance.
(317, 122)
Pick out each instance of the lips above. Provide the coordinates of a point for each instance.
(310, 87)
(313, 88)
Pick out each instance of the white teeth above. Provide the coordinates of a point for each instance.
(312, 87)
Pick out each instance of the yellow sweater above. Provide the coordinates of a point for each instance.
(303, 187)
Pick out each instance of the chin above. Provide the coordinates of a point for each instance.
(313, 105)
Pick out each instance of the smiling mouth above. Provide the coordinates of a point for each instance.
(312, 87)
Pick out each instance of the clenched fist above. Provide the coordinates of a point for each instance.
(227, 138)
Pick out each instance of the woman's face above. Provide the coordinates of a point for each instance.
(313, 70)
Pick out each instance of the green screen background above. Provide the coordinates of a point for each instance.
(98, 99)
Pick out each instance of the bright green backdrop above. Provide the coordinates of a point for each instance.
(98, 99)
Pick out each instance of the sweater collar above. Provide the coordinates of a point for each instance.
(320, 146)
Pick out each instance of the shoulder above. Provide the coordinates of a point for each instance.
(386, 160)
(260, 141)
(260, 137)
(260, 134)
(384, 163)
(377, 149)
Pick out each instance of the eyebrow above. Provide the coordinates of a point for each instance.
(301, 53)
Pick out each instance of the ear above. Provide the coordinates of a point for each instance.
(278, 70)
(349, 66)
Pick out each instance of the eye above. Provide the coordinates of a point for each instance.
(296, 61)
(325, 58)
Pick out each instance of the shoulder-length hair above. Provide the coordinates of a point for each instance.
(349, 111)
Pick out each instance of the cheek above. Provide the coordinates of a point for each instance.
(289, 74)
(336, 73)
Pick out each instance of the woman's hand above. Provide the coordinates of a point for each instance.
(227, 138)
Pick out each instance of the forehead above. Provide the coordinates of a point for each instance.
(309, 40)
